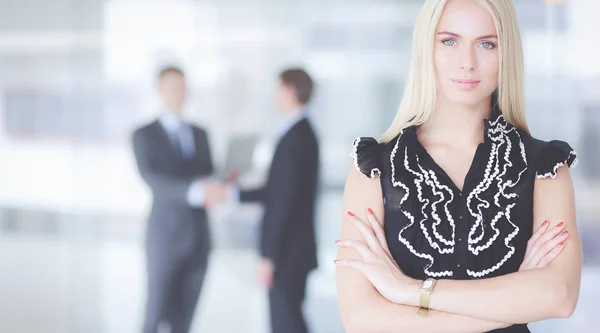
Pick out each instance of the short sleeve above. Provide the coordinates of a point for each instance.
(554, 155)
(366, 155)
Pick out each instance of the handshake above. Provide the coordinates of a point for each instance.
(216, 192)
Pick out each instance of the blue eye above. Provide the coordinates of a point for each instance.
(449, 42)
(487, 45)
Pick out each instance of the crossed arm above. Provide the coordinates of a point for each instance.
(464, 306)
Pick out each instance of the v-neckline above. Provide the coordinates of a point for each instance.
(470, 171)
(495, 116)
(168, 141)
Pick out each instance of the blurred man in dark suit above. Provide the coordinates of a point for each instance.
(173, 158)
(288, 247)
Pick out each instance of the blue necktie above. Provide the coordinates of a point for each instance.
(178, 140)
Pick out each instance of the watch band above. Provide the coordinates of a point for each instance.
(425, 296)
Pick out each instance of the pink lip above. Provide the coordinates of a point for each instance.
(465, 84)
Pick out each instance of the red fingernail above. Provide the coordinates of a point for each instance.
(335, 261)
(561, 244)
(350, 214)
(545, 222)
(560, 224)
(370, 211)
(566, 232)
(337, 241)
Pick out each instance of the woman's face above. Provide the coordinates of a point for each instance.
(466, 53)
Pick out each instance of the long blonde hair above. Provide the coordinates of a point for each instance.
(418, 101)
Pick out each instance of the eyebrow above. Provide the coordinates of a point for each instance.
(459, 36)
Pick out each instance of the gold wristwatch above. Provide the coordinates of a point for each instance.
(425, 295)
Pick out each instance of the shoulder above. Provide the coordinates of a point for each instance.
(368, 155)
(197, 128)
(363, 189)
(301, 136)
(143, 130)
(303, 128)
(199, 131)
(547, 157)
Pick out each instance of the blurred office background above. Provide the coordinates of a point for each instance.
(77, 76)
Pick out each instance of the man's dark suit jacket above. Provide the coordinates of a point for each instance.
(288, 228)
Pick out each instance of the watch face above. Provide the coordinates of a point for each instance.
(427, 284)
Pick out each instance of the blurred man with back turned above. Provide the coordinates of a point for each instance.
(174, 159)
(288, 247)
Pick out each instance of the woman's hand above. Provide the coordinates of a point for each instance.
(377, 264)
(544, 246)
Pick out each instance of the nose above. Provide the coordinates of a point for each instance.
(468, 61)
(467, 67)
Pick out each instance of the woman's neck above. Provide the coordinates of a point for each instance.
(455, 123)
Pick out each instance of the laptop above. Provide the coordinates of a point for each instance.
(240, 154)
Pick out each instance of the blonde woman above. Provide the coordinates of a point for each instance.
(458, 220)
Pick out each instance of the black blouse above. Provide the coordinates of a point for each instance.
(435, 230)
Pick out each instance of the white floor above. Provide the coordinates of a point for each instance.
(57, 286)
